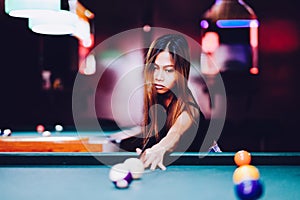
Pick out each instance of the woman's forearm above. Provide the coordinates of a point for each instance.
(170, 141)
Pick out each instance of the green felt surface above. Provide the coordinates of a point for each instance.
(177, 182)
(84, 176)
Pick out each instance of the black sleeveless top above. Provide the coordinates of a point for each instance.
(190, 141)
(193, 138)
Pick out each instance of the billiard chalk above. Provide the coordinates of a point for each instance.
(214, 148)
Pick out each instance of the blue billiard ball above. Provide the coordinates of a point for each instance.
(249, 190)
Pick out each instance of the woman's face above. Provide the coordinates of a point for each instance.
(164, 75)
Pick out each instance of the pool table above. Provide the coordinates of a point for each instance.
(65, 175)
(65, 141)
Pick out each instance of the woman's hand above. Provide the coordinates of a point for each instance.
(153, 157)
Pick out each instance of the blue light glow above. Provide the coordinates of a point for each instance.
(237, 23)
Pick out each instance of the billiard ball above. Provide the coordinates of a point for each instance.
(58, 128)
(46, 133)
(135, 166)
(245, 172)
(6, 133)
(119, 174)
(249, 190)
(121, 183)
(242, 158)
(40, 128)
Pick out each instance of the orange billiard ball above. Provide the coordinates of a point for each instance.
(242, 158)
(245, 173)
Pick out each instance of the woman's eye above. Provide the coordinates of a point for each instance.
(169, 70)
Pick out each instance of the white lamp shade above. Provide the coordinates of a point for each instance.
(57, 23)
(30, 8)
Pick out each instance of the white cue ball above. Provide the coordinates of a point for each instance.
(58, 128)
(136, 167)
(6, 132)
(46, 133)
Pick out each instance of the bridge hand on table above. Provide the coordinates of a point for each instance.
(152, 157)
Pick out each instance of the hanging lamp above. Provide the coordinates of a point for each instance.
(57, 23)
(31, 8)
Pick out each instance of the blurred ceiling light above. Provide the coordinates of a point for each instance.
(147, 28)
(254, 70)
(242, 23)
(90, 65)
(30, 8)
(230, 9)
(210, 42)
(84, 26)
(204, 24)
(57, 23)
(236, 24)
(82, 12)
(82, 30)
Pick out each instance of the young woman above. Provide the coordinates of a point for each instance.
(172, 118)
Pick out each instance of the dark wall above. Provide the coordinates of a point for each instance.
(265, 117)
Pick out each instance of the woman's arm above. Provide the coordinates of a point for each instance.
(170, 141)
(154, 155)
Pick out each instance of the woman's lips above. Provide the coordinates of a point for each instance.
(159, 87)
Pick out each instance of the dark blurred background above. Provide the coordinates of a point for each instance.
(263, 118)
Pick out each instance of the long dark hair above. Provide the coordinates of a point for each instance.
(178, 48)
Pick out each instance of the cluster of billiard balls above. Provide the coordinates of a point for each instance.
(41, 129)
(246, 177)
(122, 174)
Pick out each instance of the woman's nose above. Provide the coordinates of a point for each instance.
(159, 75)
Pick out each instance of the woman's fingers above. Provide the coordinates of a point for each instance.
(138, 151)
(161, 166)
(154, 164)
(141, 155)
(151, 158)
